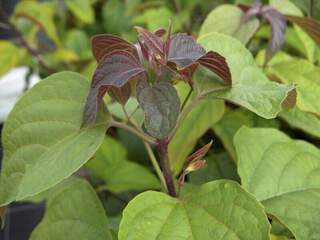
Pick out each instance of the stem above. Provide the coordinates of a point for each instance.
(183, 115)
(139, 134)
(187, 98)
(23, 42)
(162, 147)
(155, 164)
(188, 109)
(311, 8)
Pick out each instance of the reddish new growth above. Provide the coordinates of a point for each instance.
(121, 64)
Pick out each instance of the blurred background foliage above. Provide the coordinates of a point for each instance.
(54, 35)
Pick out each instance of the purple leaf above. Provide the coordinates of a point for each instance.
(106, 43)
(184, 50)
(152, 44)
(114, 70)
(278, 29)
(217, 64)
(160, 32)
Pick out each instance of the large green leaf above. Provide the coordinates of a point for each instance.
(73, 211)
(42, 138)
(306, 76)
(119, 174)
(197, 122)
(82, 9)
(284, 174)
(217, 210)
(230, 24)
(250, 87)
(307, 122)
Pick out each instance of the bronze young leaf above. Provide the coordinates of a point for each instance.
(114, 70)
(121, 63)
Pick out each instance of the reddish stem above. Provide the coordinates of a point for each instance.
(162, 147)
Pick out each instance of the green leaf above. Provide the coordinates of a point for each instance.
(284, 175)
(306, 76)
(231, 122)
(305, 121)
(156, 18)
(286, 7)
(198, 121)
(9, 56)
(78, 42)
(230, 24)
(81, 9)
(42, 138)
(250, 87)
(118, 20)
(218, 166)
(119, 174)
(161, 106)
(309, 46)
(73, 211)
(41, 14)
(275, 237)
(216, 210)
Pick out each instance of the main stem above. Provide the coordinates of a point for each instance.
(162, 146)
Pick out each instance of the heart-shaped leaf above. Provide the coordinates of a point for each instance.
(250, 87)
(284, 175)
(161, 106)
(42, 138)
(73, 210)
(217, 210)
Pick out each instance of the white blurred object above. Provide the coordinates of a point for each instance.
(12, 86)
